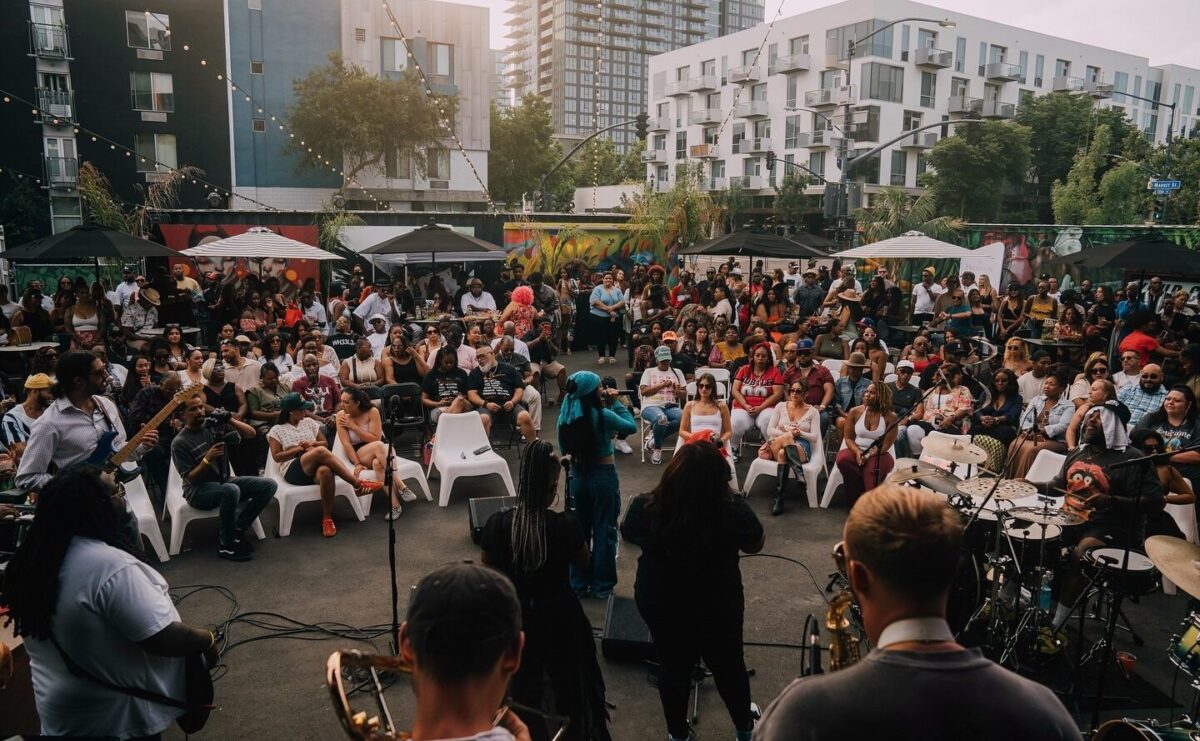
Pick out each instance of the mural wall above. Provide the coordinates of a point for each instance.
(550, 246)
(291, 273)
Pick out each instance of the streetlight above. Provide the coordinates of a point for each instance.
(843, 209)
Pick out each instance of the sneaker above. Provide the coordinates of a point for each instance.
(407, 495)
(231, 553)
(623, 447)
(601, 360)
(394, 514)
(241, 541)
(612, 360)
(1050, 641)
(656, 456)
(648, 438)
(328, 529)
(367, 485)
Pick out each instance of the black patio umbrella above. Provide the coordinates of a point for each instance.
(431, 239)
(747, 243)
(1151, 255)
(87, 241)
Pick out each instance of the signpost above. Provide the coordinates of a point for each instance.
(1164, 185)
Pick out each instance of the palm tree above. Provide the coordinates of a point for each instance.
(894, 212)
(683, 214)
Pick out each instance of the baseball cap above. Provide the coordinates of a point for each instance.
(662, 352)
(905, 364)
(243, 338)
(866, 322)
(669, 335)
(294, 401)
(38, 381)
(805, 345)
(380, 317)
(461, 607)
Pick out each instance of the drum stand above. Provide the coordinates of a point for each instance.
(1033, 613)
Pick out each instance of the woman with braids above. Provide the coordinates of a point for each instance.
(689, 585)
(587, 422)
(75, 590)
(535, 547)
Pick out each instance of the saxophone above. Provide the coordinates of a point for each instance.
(843, 646)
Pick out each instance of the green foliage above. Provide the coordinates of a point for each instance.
(24, 210)
(682, 215)
(597, 163)
(790, 199)
(523, 149)
(633, 170)
(1183, 206)
(341, 109)
(100, 205)
(329, 228)
(1099, 189)
(972, 168)
(893, 212)
(733, 203)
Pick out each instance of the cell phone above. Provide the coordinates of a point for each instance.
(481, 449)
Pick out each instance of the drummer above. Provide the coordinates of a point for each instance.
(1103, 497)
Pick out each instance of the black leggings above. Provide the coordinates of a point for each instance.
(608, 334)
(681, 641)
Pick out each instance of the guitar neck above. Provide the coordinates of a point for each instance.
(127, 449)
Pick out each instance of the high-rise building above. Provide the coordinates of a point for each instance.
(502, 95)
(589, 58)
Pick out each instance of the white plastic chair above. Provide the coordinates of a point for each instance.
(1046, 466)
(1184, 516)
(721, 376)
(458, 436)
(181, 513)
(139, 502)
(290, 495)
(406, 468)
(815, 464)
(834, 366)
(721, 390)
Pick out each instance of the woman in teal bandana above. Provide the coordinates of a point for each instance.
(589, 418)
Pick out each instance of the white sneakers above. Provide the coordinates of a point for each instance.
(622, 447)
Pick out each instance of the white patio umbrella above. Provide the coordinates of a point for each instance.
(262, 244)
(910, 245)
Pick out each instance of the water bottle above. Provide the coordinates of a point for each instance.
(1044, 592)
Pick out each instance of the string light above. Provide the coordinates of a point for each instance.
(20, 175)
(596, 106)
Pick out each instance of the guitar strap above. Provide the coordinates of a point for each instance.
(137, 692)
(104, 413)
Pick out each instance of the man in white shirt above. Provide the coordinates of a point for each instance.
(1030, 384)
(477, 300)
(791, 276)
(924, 297)
(846, 274)
(380, 301)
(968, 282)
(127, 287)
(240, 371)
(519, 345)
(314, 312)
(1131, 369)
(377, 334)
(662, 388)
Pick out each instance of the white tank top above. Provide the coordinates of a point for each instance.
(86, 324)
(864, 437)
(707, 422)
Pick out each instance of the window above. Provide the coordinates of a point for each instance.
(791, 128)
(1120, 86)
(148, 30)
(437, 164)
(710, 135)
(772, 56)
(866, 171)
(928, 89)
(982, 57)
(899, 167)
(1092, 74)
(830, 79)
(681, 73)
(866, 127)
(713, 100)
(1153, 91)
(879, 45)
(393, 58)
(816, 163)
(926, 39)
(681, 150)
(256, 68)
(997, 54)
(748, 56)
(904, 34)
(1062, 68)
(708, 67)
(1024, 97)
(152, 91)
(441, 62)
(762, 129)
(397, 167)
(960, 87)
(1024, 65)
(258, 125)
(921, 166)
(1039, 70)
(793, 91)
(960, 54)
(798, 45)
(883, 82)
(912, 120)
(156, 152)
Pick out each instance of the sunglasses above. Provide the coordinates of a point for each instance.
(796, 391)
(705, 386)
(1099, 369)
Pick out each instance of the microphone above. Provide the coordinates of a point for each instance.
(394, 404)
(814, 648)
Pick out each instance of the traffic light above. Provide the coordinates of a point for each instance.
(771, 161)
(1160, 205)
(643, 125)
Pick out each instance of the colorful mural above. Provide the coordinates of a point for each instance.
(291, 273)
(548, 246)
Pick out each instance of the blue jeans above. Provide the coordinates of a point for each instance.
(255, 491)
(594, 497)
(664, 421)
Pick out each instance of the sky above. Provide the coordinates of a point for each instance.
(1166, 31)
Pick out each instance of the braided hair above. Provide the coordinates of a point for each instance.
(538, 487)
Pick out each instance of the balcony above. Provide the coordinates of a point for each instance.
(57, 106)
(823, 98)
(997, 110)
(1099, 90)
(676, 89)
(659, 124)
(933, 58)
(819, 139)
(757, 145)
(654, 6)
(1067, 84)
(962, 105)
(654, 155)
(704, 116)
(793, 63)
(920, 141)
(49, 40)
(747, 73)
(752, 109)
(61, 172)
(748, 182)
(703, 151)
(704, 84)
(1002, 72)
(711, 184)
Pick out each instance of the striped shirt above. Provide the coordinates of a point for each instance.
(63, 435)
(14, 427)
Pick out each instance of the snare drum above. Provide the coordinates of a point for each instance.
(1033, 544)
(1138, 578)
(1127, 729)
(1184, 650)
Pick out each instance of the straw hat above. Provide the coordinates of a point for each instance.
(151, 296)
(857, 360)
(849, 295)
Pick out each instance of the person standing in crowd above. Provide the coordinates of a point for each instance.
(75, 589)
(924, 297)
(535, 547)
(809, 295)
(240, 370)
(140, 316)
(17, 423)
(1143, 328)
(607, 310)
(127, 287)
(587, 422)
(691, 528)
(380, 301)
(902, 551)
(200, 455)
(1145, 396)
(462, 637)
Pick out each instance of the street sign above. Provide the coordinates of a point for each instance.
(1161, 192)
(1157, 185)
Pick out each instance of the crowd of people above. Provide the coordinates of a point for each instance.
(780, 365)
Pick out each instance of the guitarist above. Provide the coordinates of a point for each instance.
(75, 423)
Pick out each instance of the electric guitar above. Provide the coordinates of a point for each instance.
(110, 459)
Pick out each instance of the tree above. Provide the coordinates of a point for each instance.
(1099, 189)
(682, 215)
(1183, 206)
(791, 202)
(103, 208)
(732, 203)
(597, 163)
(340, 109)
(894, 212)
(24, 210)
(972, 168)
(524, 149)
(633, 170)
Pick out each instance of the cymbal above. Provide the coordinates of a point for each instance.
(1178, 560)
(910, 473)
(1009, 489)
(1045, 516)
(953, 450)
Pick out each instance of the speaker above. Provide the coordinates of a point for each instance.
(625, 636)
(481, 508)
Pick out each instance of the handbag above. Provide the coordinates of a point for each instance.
(197, 683)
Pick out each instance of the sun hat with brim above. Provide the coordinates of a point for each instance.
(811, 272)
(661, 353)
(151, 296)
(38, 381)
(857, 360)
(849, 295)
(294, 401)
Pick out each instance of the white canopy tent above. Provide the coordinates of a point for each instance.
(262, 244)
(910, 245)
(359, 238)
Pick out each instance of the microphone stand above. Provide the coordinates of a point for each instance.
(878, 442)
(391, 428)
